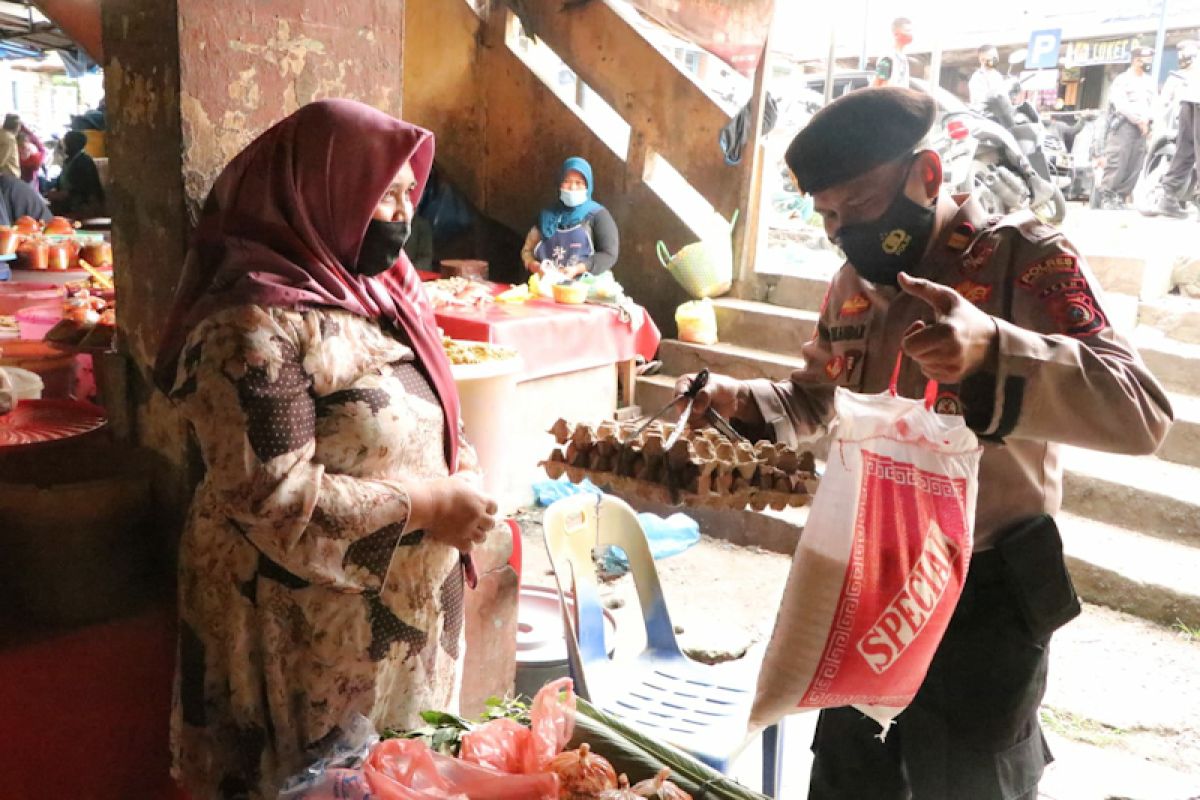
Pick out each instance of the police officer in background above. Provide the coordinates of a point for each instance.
(987, 81)
(1003, 313)
(1131, 100)
(892, 69)
(1183, 90)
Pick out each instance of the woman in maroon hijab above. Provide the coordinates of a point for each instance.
(319, 573)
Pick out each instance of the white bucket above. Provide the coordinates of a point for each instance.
(487, 393)
(541, 646)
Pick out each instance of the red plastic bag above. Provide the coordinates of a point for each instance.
(406, 769)
(880, 566)
(507, 746)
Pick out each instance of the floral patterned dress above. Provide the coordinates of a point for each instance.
(304, 597)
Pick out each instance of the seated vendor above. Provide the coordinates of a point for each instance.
(78, 192)
(576, 234)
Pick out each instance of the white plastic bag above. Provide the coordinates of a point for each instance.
(18, 384)
(880, 566)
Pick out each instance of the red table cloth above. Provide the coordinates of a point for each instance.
(555, 338)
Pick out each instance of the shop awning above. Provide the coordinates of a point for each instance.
(27, 32)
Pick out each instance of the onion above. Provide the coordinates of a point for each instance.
(659, 788)
(582, 774)
(622, 792)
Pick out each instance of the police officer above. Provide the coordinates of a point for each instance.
(892, 69)
(1131, 100)
(1003, 313)
(1182, 89)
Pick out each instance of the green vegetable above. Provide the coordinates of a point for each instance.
(641, 757)
(443, 731)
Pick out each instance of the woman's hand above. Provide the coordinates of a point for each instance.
(452, 510)
(575, 270)
(534, 266)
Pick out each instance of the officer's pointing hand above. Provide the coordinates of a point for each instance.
(957, 343)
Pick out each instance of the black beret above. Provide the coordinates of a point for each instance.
(857, 133)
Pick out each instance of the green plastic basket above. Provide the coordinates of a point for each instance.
(703, 268)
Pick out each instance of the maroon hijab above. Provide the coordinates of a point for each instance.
(288, 214)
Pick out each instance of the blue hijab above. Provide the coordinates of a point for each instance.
(561, 215)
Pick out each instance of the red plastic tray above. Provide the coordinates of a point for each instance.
(36, 422)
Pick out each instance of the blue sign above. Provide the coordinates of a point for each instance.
(1043, 49)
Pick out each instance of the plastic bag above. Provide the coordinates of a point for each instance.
(339, 775)
(697, 322)
(406, 769)
(18, 384)
(508, 746)
(704, 268)
(881, 564)
(547, 492)
(670, 536)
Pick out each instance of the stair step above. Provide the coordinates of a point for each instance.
(1118, 274)
(1140, 575)
(1174, 315)
(1182, 444)
(652, 392)
(798, 291)
(1143, 493)
(681, 358)
(750, 324)
(1176, 364)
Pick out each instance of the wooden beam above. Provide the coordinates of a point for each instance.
(747, 235)
(659, 100)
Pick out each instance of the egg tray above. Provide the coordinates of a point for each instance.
(703, 468)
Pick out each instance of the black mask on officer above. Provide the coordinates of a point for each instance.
(894, 242)
(381, 246)
(990, 62)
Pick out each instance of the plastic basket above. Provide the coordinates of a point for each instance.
(703, 268)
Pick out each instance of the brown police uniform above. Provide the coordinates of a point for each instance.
(1062, 375)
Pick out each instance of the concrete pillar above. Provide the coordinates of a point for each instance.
(188, 84)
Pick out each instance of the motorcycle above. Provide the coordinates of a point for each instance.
(1002, 160)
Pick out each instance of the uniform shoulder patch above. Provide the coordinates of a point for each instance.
(1076, 312)
(1065, 293)
(1055, 265)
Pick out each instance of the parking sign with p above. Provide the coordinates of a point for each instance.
(1043, 49)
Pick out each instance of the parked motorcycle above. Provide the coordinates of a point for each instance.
(1002, 160)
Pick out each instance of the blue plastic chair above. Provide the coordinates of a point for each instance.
(700, 709)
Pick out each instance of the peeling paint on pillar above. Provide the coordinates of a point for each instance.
(189, 83)
(272, 60)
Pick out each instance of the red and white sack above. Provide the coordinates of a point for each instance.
(880, 566)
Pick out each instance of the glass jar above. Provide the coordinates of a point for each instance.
(96, 252)
(33, 253)
(9, 239)
(60, 255)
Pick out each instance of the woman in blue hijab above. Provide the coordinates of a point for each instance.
(576, 234)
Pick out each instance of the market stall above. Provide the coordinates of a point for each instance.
(573, 357)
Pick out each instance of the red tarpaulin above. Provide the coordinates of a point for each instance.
(554, 338)
(732, 30)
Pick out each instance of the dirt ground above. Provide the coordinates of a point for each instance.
(1122, 710)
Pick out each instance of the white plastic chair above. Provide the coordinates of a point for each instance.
(698, 708)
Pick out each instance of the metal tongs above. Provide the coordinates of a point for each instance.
(695, 385)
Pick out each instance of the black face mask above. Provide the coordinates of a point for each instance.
(990, 63)
(883, 248)
(381, 246)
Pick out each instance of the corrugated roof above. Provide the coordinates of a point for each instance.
(25, 32)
